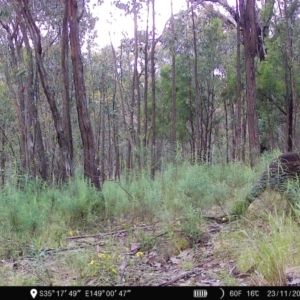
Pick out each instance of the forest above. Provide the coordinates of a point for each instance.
(120, 165)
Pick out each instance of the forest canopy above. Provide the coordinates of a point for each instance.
(218, 84)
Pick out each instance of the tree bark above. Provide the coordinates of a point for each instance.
(32, 123)
(65, 84)
(238, 133)
(153, 119)
(145, 142)
(198, 144)
(118, 82)
(136, 81)
(86, 130)
(66, 162)
(291, 95)
(117, 171)
(174, 107)
(248, 22)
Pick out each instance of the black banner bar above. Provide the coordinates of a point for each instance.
(197, 292)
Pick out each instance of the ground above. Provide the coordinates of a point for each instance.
(162, 265)
(147, 255)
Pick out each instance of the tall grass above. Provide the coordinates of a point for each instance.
(179, 192)
(271, 250)
(36, 215)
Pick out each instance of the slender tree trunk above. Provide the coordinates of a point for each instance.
(244, 122)
(193, 147)
(21, 126)
(233, 138)
(33, 128)
(65, 84)
(66, 162)
(136, 82)
(174, 108)
(23, 100)
(226, 131)
(118, 81)
(238, 133)
(109, 158)
(291, 95)
(270, 128)
(103, 141)
(86, 130)
(198, 145)
(209, 126)
(145, 142)
(191, 117)
(153, 123)
(3, 154)
(289, 111)
(117, 172)
(16, 89)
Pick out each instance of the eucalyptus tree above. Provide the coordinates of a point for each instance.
(198, 108)
(254, 31)
(176, 83)
(146, 49)
(86, 129)
(174, 106)
(153, 100)
(134, 7)
(278, 86)
(33, 15)
(8, 132)
(248, 22)
(289, 12)
(65, 74)
(43, 30)
(184, 109)
(211, 52)
(200, 52)
(141, 64)
(106, 115)
(17, 61)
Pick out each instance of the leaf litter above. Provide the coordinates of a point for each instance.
(118, 258)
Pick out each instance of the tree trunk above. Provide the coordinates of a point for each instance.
(21, 126)
(65, 84)
(271, 143)
(136, 82)
(226, 131)
(174, 108)
(129, 137)
(32, 123)
(103, 141)
(3, 154)
(145, 142)
(109, 158)
(153, 123)
(86, 130)
(248, 22)
(291, 95)
(233, 131)
(198, 145)
(238, 132)
(117, 171)
(66, 162)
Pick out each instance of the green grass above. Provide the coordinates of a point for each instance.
(40, 216)
(271, 251)
(179, 192)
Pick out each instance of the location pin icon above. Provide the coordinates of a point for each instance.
(33, 293)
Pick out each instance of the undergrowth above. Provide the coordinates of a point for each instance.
(39, 216)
